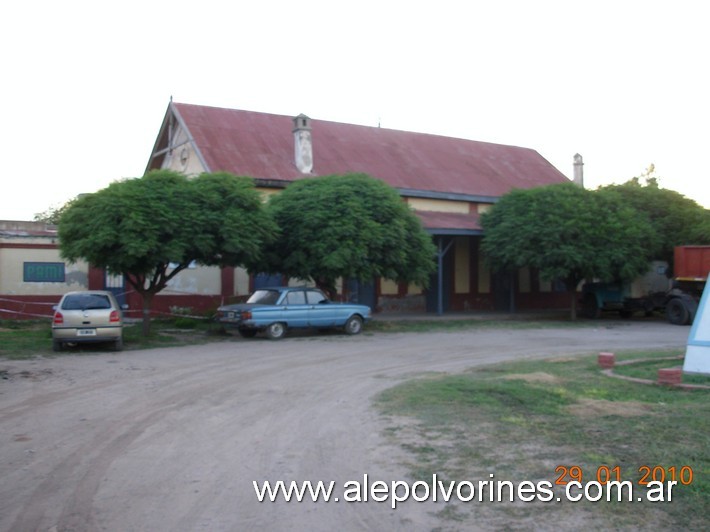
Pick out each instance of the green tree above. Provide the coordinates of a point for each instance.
(675, 219)
(351, 226)
(151, 228)
(566, 233)
(53, 214)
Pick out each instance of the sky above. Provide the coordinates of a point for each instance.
(625, 83)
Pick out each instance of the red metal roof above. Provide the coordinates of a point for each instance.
(261, 145)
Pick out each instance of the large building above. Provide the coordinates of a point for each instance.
(448, 182)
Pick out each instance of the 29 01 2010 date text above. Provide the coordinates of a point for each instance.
(603, 474)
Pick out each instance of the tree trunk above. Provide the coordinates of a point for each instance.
(573, 303)
(328, 287)
(147, 303)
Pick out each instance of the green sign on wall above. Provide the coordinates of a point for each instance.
(43, 272)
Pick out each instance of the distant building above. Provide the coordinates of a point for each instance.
(448, 182)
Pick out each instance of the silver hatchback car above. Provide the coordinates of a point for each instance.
(87, 316)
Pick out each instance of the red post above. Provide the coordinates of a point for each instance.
(606, 360)
(670, 376)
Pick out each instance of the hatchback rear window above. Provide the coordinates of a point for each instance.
(264, 297)
(86, 302)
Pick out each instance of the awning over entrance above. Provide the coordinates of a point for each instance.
(442, 225)
(450, 223)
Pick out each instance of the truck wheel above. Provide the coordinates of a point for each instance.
(676, 312)
(692, 306)
(590, 309)
(276, 331)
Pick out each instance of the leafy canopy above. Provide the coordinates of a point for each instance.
(351, 226)
(675, 219)
(53, 214)
(567, 233)
(151, 228)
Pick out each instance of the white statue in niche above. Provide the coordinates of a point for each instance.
(304, 151)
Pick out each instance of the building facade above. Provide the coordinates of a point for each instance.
(448, 182)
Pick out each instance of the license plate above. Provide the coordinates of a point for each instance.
(232, 315)
(86, 332)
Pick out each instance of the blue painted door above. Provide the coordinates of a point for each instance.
(362, 293)
(264, 280)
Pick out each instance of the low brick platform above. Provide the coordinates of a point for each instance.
(670, 376)
(606, 360)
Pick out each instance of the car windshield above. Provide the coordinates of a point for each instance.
(86, 302)
(264, 297)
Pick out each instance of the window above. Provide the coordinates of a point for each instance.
(315, 297)
(264, 297)
(43, 272)
(86, 302)
(296, 298)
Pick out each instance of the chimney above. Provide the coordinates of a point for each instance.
(303, 144)
(578, 170)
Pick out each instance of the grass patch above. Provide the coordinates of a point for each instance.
(648, 369)
(24, 339)
(27, 339)
(433, 325)
(522, 420)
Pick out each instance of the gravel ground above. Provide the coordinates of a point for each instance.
(171, 439)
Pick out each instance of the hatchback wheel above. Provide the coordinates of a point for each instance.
(276, 331)
(57, 345)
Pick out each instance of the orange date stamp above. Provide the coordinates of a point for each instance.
(605, 474)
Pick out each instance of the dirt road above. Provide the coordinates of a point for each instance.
(172, 439)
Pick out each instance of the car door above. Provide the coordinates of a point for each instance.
(295, 309)
(322, 311)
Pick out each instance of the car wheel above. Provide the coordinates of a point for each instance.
(276, 331)
(247, 333)
(353, 325)
(57, 345)
(118, 344)
(676, 312)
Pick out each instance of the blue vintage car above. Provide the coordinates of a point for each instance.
(275, 310)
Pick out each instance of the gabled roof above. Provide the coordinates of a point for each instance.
(261, 145)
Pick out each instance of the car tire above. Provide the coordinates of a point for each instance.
(276, 331)
(57, 346)
(117, 344)
(247, 333)
(353, 325)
